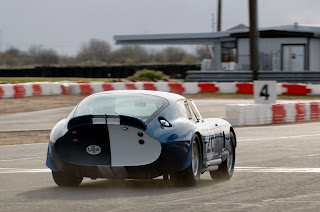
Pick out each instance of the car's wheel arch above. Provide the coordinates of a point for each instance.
(200, 145)
(234, 135)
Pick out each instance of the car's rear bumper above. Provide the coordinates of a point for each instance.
(174, 157)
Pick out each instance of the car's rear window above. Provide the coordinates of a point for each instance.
(142, 106)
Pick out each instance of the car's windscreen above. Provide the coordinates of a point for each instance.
(141, 106)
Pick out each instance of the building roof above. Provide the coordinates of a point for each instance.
(239, 31)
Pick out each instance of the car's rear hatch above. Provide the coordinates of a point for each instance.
(107, 140)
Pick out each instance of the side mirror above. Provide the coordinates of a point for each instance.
(163, 122)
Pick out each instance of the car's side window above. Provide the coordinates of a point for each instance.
(194, 109)
(188, 109)
(184, 108)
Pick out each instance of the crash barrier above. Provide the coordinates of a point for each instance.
(19, 90)
(33, 89)
(258, 114)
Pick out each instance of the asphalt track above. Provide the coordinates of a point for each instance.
(277, 169)
(46, 119)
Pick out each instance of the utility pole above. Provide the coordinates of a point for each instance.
(219, 16)
(254, 52)
(212, 22)
(0, 40)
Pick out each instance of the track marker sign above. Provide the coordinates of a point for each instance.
(265, 92)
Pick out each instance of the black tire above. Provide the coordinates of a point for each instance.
(64, 179)
(226, 168)
(191, 175)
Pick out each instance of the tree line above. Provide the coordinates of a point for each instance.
(99, 52)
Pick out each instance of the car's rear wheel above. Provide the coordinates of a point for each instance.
(64, 179)
(190, 175)
(226, 168)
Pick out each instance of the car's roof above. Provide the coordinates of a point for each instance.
(166, 95)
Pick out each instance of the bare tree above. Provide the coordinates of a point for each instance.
(94, 51)
(43, 56)
(130, 55)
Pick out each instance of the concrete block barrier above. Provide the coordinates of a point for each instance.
(46, 88)
(226, 87)
(8, 91)
(244, 88)
(290, 112)
(149, 86)
(96, 87)
(85, 88)
(235, 114)
(36, 89)
(65, 88)
(28, 89)
(296, 89)
(107, 87)
(56, 88)
(314, 88)
(256, 114)
(131, 86)
(162, 86)
(192, 88)
(75, 88)
(314, 110)
(1, 92)
(119, 86)
(207, 88)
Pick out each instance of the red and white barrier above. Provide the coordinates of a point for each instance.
(257, 114)
(314, 88)
(208, 88)
(7, 91)
(227, 87)
(245, 88)
(191, 88)
(87, 88)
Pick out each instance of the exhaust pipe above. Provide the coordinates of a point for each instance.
(213, 165)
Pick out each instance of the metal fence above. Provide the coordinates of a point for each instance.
(246, 76)
(120, 71)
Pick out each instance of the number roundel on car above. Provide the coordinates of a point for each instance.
(93, 150)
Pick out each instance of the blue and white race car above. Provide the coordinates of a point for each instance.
(139, 135)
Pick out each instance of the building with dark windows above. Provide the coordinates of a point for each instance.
(281, 48)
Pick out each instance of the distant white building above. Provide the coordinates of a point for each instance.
(292, 48)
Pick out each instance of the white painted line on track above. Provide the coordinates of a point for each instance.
(25, 188)
(15, 145)
(277, 169)
(17, 170)
(303, 156)
(21, 159)
(237, 169)
(284, 137)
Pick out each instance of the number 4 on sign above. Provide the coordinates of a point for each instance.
(264, 92)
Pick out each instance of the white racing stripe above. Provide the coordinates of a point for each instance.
(98, 121)
(277, 169)
(115, 121)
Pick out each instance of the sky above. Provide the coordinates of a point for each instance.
(65, 25)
